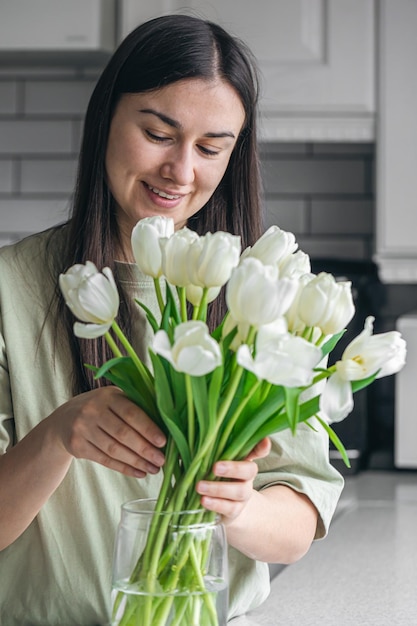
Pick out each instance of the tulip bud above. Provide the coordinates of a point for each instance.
(367, 354)
(92, 297)
(176, 256)
(194, 351)
(194, 294)
(145, 243)
(281, 358)
(256, 295)
(272, 247)
(213, 257)
(326, 304)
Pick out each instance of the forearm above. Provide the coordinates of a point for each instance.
(277, 525)
(29, 474)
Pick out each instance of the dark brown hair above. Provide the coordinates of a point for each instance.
(158, 53)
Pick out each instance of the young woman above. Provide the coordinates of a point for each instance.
(170, 130)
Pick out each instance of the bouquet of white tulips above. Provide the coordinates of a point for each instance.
(217, 394)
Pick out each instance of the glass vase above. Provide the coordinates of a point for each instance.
(169, 568)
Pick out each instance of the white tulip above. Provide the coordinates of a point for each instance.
(212, 258)
(194, 351)
(145, 243)
(272, 247)
(336, 400)
(295, 324)
(368, 353)
(382, 354)
(295, 265)
(176, 256)
(327, 304)
(256, 295)
(194, 294)
(281, 358)
(92, 297)
(241, 334)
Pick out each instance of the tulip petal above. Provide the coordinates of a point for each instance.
(90, 331)
(336, 401)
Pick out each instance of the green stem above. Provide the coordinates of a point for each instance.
(232, 421)
(159, 295)
(113, 345)
(190, 413)
(136, 360)
(201, 310)
(183, 303)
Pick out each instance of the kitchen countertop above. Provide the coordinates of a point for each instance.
(364, 573)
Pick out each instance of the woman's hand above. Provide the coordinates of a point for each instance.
(229, 496)
(104, 426)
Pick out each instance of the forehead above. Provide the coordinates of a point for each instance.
(212, 104)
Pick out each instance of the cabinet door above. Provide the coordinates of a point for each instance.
(396, 252)
(316, 59)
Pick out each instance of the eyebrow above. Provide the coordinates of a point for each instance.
(175, 124)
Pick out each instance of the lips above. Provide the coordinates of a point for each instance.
(163, 194)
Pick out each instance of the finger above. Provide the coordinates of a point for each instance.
(97, 445)
(235, 470)
(228, 509)
(121, 442)
(137, 419)
(261, 450)
(236, 491)
(97, 455)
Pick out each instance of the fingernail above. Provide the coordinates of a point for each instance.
(159, 440)
(220, 468)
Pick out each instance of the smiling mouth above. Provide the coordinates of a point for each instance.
(163, 194)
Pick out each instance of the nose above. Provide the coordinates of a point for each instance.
(178, 165)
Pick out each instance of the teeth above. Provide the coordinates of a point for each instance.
(163, 194)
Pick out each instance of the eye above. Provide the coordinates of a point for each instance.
(207, 151)
(155, 137)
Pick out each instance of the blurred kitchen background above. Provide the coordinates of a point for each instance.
(338, 145)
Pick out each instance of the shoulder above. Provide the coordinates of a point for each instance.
(29, 269)
(31, 255)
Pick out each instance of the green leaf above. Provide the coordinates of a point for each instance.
(180, 441)
(177, 380)
(257, 422)
(201, 403)
(122, 372)
(357, 385)
(149, 315)
(218, 331)
(335, 440)
(215, 386)
(226, 342)
(331, 343)
(292, 395)
(274, 422)
(172, 302)
(164, 396)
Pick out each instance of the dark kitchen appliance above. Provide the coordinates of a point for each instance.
(367, 296)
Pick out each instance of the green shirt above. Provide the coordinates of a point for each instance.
(58, 572)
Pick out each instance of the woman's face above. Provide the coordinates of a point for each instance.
(168, 150)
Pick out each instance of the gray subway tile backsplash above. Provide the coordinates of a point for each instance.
(321, 192)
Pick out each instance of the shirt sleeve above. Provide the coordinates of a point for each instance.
(6, 410)
(301, 462)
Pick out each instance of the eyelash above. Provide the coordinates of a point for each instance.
(157, 138)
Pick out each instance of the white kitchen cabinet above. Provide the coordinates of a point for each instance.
(396, 221)
(317, 60)
(56, 31)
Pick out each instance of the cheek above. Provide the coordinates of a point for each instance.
(212, 176)
(122, 152)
